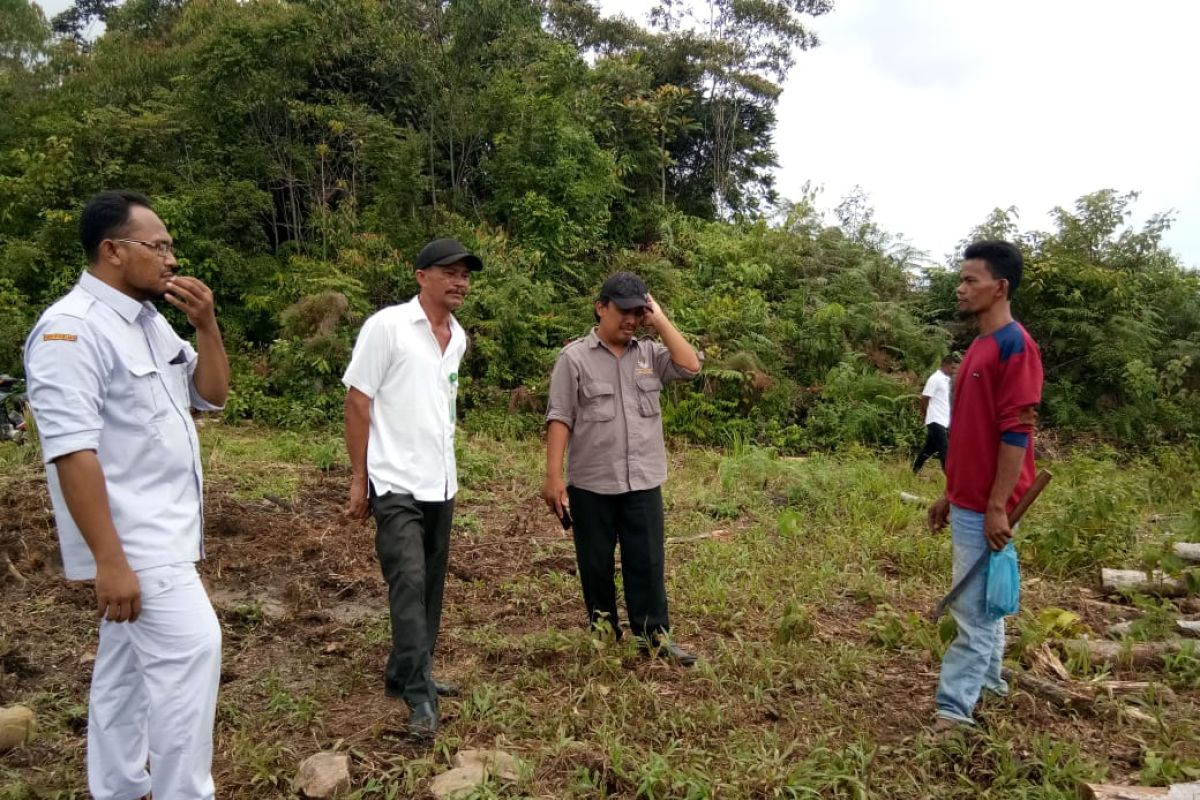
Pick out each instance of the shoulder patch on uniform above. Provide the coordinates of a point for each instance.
(59, 337)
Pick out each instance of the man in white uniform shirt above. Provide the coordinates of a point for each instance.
(111, 386)
(935, 408)
(400, 417)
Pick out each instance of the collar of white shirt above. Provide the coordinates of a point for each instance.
(123, 304)
(416, 313)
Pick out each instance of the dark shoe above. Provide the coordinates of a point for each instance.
(671, 652)
(423, 721)
(943, 728)
(445, 689)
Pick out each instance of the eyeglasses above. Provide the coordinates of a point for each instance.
(162, 248)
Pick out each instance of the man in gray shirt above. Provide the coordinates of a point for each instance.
(605, 406)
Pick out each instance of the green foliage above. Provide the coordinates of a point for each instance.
(1183, 668)
(301, 153)
(1090, 519)
(1035, 628)
(1115, 315)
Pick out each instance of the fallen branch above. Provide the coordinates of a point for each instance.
(1131, 581)
(1188, 551)
(1071, 697)
(1047, 660)
(1081, 697)
(1108, 791)
(720, 535)
(12, 570)
(1128, 688)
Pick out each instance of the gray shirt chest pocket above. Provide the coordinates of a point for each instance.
(649, 395)
(599, 402)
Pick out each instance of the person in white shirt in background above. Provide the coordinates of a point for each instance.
(402, 386)
(112, 386)
(935, 408)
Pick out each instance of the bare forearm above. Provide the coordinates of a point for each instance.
(557, 435)
(924, 407)
(1008, 472)
(682, 353)
(358, 427)
(212, 366)
(84, 490)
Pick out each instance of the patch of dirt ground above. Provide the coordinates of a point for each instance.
(304, 614)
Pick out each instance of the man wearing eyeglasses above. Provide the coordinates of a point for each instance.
(605, 407)
(112, 387)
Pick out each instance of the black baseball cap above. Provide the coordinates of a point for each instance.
(441, 252)
(624, 289)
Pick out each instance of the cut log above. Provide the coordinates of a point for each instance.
(1108, 791)
(1130, 581)
(1188, 551)
(1183, 627)
(1139, 655)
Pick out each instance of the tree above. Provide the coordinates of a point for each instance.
(745, 50)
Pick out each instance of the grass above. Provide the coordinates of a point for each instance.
(801, 581)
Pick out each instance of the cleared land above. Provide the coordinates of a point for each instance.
(801, 581)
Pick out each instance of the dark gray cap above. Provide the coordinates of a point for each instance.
(441, 252)
(624, 289)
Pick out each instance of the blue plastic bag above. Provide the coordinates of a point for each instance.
(1003, 583)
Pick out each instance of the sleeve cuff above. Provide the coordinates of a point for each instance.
(682, 374)
(558, 416)
(349, 383)
(58, 446)
(1015, 438)
(198, 402)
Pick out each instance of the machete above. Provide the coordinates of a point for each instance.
(1039, 483)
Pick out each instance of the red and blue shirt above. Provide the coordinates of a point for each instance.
(996, 391)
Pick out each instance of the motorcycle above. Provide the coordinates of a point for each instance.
(12, 409)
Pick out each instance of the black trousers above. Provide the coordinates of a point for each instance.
(937, 442)
(412, 540)
(635, 519)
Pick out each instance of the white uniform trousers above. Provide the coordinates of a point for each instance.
(154, 693)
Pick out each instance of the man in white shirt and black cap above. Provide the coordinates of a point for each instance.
(935, 408)
(402, 386)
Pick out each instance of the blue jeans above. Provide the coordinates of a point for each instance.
(972, 662)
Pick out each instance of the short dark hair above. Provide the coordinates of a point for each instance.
(1003, 260)
(105, 215)
(950, 358)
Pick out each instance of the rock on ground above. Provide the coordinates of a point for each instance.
(323, 775)
(17, 725)
(471, 768)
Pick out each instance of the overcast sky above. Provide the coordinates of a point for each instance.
(944, 109)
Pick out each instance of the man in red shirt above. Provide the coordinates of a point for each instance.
(989, 467)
